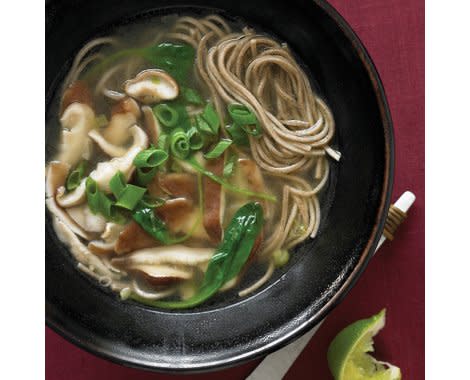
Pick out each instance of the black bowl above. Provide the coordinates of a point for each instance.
(228, 330)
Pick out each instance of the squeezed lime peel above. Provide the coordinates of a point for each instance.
(348, 354)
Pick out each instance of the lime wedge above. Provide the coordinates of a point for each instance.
(348, 356)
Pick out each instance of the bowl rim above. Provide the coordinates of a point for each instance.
(360, 266)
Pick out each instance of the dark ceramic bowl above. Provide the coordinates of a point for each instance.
(228, 330)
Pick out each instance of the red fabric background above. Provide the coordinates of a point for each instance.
(393, 33)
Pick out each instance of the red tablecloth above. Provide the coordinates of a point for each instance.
(393, 33)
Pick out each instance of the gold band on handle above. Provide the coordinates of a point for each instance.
(394, 218)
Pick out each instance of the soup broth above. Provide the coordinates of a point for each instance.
(191, 149)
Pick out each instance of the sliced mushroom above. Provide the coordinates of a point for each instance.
(151, 124)
(109, 238)
(99, 247)
(181, 216)
(56, 175)
(106, 170)
(248, 176)
(161, 275)
(79, 251)
(112, 231)
(174, 212)
(55, 178)
(124, 114)
(177, 254)
(166, 264)
(154, 188)
(214, 201)
(83, 216)
(133, 237)
(77, 120)
(77, 92)
(74, 198)
(182, 185)
(252, 174)
(143, 291)
(255, 248)
(114, 95)
(127, 105)
(152, 86)
(110, 149)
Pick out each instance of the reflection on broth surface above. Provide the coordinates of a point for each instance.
(190, 150)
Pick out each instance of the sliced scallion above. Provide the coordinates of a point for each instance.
(196, 141)
(227, 185)
(229, 166)
(150, 158)
(245, 118)
(99, 202)
(211, 117)
(145, 175)
(241, 115)
(238, 135)
(163, 142)
(117, 184)
(76, 176)
(219, 149)
(166, 114)
(92, 195)
(191, 96)
(130, 197)
(179, 143)
(253, 129)
(106, 206)
(151, 202)
(203, 125)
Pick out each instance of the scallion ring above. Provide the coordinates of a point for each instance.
(166, 114)
(150, 158)
(238, 135)
(179, 143)
(241, 114)
(92, 195)
(196, 141)
(145, 175)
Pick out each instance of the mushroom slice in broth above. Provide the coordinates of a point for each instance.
(151, 124)
(133, 237)
(106, 170)
(77, 92)
(182, 185)
(81, 253)
(55, 179)
(83, 216)
(109, 240)
(108, 148)
(152, 86)
(176, 254)
(214, 205)
(124, 115)
(78, 119)
(73, 198)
